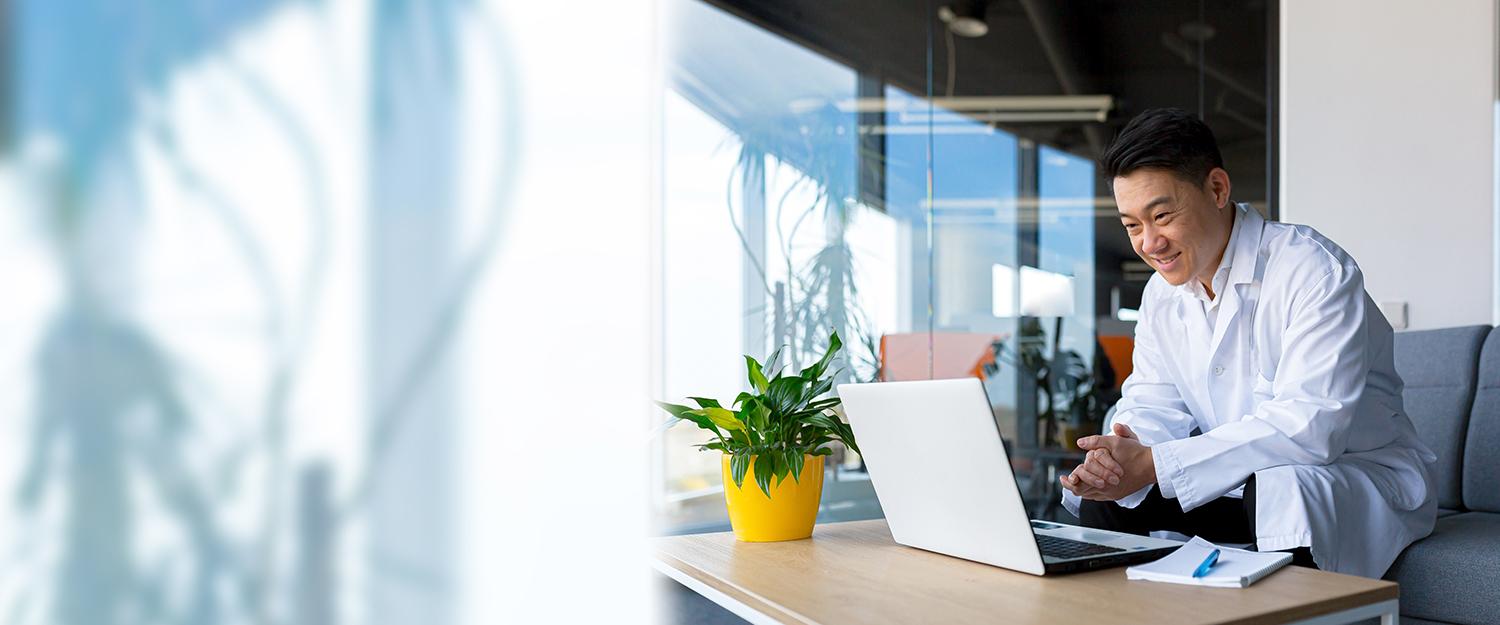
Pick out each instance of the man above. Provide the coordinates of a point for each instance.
(1264, 406)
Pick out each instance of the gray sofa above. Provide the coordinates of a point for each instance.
(1453, 396)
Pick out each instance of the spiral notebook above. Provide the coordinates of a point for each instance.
(1236, 568)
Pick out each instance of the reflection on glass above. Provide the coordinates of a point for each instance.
(1066, 214)
(968, 263)
(766, 244)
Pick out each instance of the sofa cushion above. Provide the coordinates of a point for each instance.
(1454, 574)
(1440, 369)
(1482, 448)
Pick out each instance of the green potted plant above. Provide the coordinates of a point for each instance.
(779, 429)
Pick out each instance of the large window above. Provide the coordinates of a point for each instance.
(765, 240)
(930, 197)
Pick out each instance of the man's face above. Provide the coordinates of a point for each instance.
(1178, 228)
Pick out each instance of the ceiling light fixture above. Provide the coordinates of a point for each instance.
(1091, 103)
(965, 18)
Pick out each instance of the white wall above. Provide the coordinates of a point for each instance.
(1387, 145)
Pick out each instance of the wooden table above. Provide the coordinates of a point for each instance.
(854, 573)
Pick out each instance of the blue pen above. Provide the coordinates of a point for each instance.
(1208, 563)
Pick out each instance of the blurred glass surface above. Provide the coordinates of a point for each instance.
(259, 364)
(952, 176)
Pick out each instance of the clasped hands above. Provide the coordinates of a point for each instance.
(1115, 466)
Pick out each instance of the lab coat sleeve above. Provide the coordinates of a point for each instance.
(1150, 402)
(1319, 379)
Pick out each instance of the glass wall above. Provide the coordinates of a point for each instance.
(286, 336)
(930, 195)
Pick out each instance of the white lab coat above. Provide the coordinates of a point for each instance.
(1295, 383)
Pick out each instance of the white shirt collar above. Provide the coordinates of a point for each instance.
(1221, 276)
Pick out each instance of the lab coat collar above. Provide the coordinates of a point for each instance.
(1240, 253)
(1246, 245)
(1246, 250)
(1220, 279)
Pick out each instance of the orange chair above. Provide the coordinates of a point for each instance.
(904, 356)
(1119, 350)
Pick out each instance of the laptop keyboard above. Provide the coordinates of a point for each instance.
(1063, 548)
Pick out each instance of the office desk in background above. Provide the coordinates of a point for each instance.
(854, 573)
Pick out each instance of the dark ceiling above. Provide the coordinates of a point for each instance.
(1143, 53)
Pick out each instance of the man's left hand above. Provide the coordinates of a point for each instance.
(1134, 458)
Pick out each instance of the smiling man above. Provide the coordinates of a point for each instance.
(1264, 406)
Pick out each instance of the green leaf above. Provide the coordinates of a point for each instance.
(706, 402)
(796, 460)
(757, 378)
(834, 426)
(822, 451)
(785, 393)
(674, 409)
(817, 388)
(740, 438)
(742, 397)
(800, 414)
(753, 435)
(825, 404)
(823, 421)
(772, 362)
(816, 370)
(721, 417)
(813, 442)
(714, 445)
(763, 469)
(738, 464)
(750, 414)
(781, 465)
(688, 414)
(761, 416)
(846, 434)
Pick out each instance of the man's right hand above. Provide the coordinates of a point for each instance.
(1098, 474)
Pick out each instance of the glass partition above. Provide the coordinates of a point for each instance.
(927, 189)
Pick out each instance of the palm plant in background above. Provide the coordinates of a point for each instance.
(778, 425)
(819, 295)
(1071, 397)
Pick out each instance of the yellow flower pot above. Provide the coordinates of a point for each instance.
(788, 514)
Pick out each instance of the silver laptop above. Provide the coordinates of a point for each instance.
(941, 473)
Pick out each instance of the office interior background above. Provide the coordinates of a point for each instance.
(339, 311)
(929, 193)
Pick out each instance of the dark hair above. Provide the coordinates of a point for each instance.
(1170, 139)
